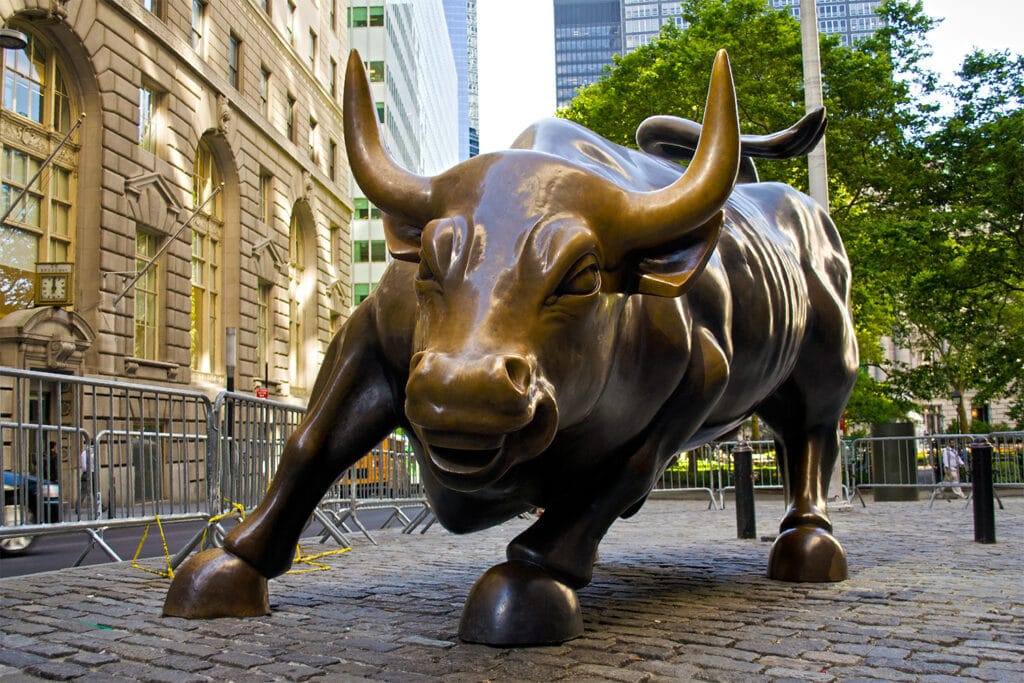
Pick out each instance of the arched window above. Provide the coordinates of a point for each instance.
(207, 230)
(35, 99)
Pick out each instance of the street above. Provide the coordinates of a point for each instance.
(50, 553)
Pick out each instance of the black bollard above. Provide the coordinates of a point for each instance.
(743, 467)
(983, 495)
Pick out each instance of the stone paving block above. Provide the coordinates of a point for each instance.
(56, 671)
(290, 672)
(93, 659)
(240, 660)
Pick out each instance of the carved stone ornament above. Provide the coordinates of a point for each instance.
(560, 321)
(225, 117)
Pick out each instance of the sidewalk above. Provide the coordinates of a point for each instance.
(675, 597)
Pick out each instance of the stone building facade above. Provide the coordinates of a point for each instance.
(205, 188)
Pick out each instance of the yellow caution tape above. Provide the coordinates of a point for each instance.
(311, 560)
(238, 511)
(169, 574)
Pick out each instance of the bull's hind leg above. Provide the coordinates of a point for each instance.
(351, 410)
(806, 550)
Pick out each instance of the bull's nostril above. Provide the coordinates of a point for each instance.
(519, 372)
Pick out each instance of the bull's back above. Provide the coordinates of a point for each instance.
(777, 254)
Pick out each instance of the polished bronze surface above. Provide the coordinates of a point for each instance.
(562, 318)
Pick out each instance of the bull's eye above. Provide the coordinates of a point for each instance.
(583, 278)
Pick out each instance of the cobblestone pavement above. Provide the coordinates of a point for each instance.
(675, 597)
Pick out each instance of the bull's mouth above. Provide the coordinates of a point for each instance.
(470, 462)
(463, 454)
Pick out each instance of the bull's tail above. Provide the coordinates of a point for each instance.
(674, 138)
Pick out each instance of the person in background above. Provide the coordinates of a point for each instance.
(952, 462)
(89, 496)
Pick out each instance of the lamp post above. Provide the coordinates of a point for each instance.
(12, 39)
(961, 411)
(817, 167)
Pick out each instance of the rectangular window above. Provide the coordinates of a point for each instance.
(24, 71)
(334, 78)
(361, 251)
(377, 15)
(290, 23)
(198, 25)
(332, 160)
(60, 214)
(154, 7)
(378, 250)
(148, 119)
(205, 304)
(363, 209)
(18, 169)
(362, 290)
(380, 111)
(146, 296)
(313, 141)
(376, 70)
(312, 51)
(334, 15)
(289, 117)
(266, 197)
(265, 91)
(235, 61)
(266, 6)
(263, 327)
(357, 17)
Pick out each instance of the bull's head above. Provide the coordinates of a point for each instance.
(525, 262)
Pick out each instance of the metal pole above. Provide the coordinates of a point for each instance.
(24, 190)
(817, 167)
(982, 492)
(743, 468)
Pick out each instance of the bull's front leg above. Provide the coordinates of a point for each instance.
(351, 409)
(531, 599)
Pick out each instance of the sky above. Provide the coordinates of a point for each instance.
(517, 71)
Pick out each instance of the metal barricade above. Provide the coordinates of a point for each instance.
(124, 455)
(388, 478)
(709, 469)
(900, 468)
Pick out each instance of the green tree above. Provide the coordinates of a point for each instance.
(929, 203)
(962, 302)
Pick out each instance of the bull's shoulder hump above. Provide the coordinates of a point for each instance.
(628, 168)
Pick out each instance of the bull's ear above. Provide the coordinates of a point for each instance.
(672, 272)
(402, 238)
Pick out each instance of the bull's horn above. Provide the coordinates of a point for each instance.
(392, 188)
(650, 219)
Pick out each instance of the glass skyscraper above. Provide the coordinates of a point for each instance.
(414, 83)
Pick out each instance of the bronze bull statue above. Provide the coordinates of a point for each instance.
(560, 320)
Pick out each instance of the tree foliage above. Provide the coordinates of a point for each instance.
(930, 199)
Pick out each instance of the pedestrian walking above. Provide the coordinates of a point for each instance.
(952, 462)
(89, 495)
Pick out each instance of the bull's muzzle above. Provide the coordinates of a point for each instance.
(478, 415)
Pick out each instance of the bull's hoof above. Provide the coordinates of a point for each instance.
(214, 584)
(517, 603)
(807, 554)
